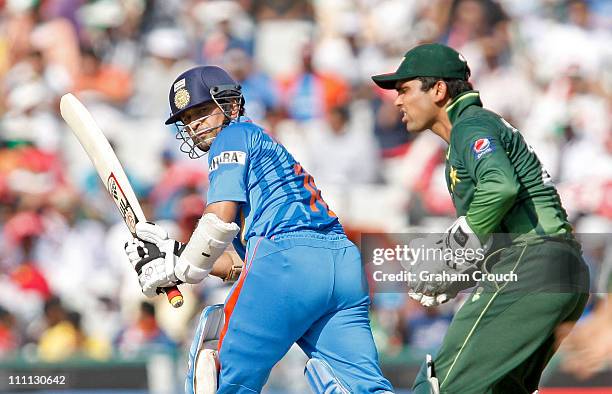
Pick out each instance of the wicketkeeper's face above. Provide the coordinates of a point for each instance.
(418, 108)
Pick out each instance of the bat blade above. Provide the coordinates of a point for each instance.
(108, 167)
(103, 157)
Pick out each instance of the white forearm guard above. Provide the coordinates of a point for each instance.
(207, 243)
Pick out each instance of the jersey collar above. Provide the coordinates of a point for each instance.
(244, 118)
(461, 102)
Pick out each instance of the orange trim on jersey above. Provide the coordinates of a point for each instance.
(329, 211)
(313, 192)
(228, 309)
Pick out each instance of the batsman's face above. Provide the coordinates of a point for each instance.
(418, 108)
(203, 123)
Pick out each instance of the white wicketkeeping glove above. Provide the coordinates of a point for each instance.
(428, 301)
(459, 237)
(428, 293)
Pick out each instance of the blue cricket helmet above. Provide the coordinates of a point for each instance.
(197, 86)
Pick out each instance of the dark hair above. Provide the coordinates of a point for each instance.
(52, 303)
(455, 86)
(147, 309)
(4, 313)
(342, 111)
(75, 319)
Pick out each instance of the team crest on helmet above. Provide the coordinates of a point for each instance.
(181, 98)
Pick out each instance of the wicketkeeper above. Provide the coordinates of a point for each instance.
(503, 336)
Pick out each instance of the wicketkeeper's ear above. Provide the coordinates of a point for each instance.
(441, 91)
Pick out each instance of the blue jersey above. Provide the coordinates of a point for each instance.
(275, 193)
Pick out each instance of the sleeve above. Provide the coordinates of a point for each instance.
(228, 161)
(485, 159)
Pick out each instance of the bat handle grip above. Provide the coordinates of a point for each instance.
(175, 297)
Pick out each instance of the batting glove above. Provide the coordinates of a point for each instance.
(153, 255)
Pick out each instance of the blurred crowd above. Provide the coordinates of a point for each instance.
(305, 69)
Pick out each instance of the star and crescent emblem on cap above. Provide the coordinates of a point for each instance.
(181, 98)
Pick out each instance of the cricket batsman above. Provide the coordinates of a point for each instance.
(302, 280)
(503, 336)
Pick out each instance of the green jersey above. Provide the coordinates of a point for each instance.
(494, 177)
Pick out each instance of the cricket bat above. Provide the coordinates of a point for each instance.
(110, 171)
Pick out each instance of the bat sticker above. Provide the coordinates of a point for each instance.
(122, 203)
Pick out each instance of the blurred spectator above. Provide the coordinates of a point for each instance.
(64, 337)
(386, 321)
(144, 335)
(9, 337)
(57, 40)
(282, 9)
(471, 20)
(21, 230)
(29, 278)
(112, 29)
(309, 94)
(87, 346)
(389, 130)
(66, 255)
(189, 211)
(168, 52)
(570, 122)
(558, 46)
(177, 179)
(258, 89)
(223, 39)
(588, 348)
(341, 153)
(425, 330)
(17, 28)
(29, 119)
(59, 340)
(31, 172)
(111, 83)
(225, 26)
(344, 47)
(504, 86)
(21, 233)
(29, 69)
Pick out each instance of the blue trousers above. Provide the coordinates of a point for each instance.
(305, 288)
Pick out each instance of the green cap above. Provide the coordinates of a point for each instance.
(427, 60)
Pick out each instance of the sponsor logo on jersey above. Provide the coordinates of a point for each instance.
(227, 157)
(482, 146)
